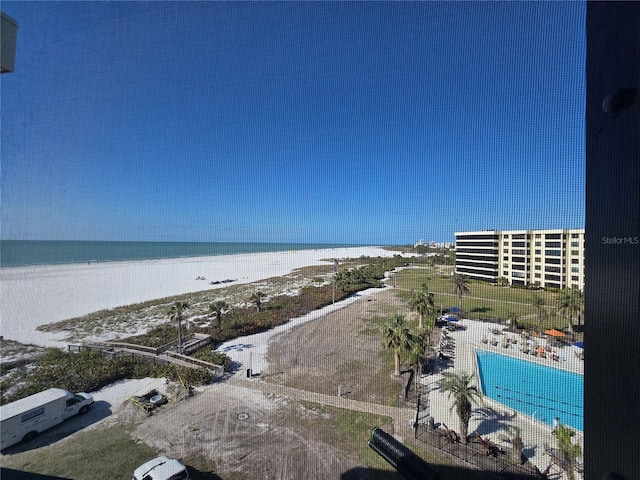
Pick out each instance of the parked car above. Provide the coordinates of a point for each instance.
(161, 468)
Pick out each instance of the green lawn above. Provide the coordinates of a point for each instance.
(101, 454)
(91, 455)
(486, 301)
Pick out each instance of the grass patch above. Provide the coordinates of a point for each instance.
(13, 351)
(354, 429)
(350, 432)
(102, 454)
(486, 301)
(90, 455)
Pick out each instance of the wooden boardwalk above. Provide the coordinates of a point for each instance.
(162, 354)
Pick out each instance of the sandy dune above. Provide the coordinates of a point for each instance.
(37, 295)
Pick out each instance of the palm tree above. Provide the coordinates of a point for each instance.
(419, 356)
(397, 337)
(570, 304)
(457, 385)
(256, 299)
(517, 443)
(175, 312)
(569, 452)
(460, 286)
(541, 312)
(578, 300)
(422, 303)
(217, 307)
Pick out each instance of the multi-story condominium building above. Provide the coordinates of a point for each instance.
(544, 258)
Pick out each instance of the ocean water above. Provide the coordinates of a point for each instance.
(16, 253)
(539, 391)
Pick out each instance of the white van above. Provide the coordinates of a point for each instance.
(161, 468)
(23, 419)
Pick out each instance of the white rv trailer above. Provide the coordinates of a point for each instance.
(23, 419)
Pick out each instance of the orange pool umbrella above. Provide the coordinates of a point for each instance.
(554, 333)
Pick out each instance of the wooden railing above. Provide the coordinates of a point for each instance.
(117, 349)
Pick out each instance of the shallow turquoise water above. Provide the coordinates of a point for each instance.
(17, 253)
(536, 390)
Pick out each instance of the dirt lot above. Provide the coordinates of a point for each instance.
(340, 350)
(251, 434)
(244, 431)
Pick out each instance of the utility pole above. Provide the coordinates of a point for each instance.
(335, 271)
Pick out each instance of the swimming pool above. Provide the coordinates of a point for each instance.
(539, 391)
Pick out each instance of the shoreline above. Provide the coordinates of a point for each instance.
(39, 295)
(122, 254)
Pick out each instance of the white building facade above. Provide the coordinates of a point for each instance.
(543, 258)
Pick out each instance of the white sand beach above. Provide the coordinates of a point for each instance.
(38, 295)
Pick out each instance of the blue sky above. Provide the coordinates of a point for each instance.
(369, 123)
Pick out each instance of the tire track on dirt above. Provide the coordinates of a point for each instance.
(401, 416)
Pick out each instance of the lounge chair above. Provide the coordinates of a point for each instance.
(534, 349)
(484, 339)
(580, 355)
(541, 353)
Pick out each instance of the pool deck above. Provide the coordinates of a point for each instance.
(491, 418)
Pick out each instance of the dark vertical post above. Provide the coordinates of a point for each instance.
(612, 252)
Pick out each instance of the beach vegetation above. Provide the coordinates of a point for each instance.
(459, 388)
(430, 254)
(212, 356)
(397, 337)
(124, 322)
(238, 321)
(90, 370)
